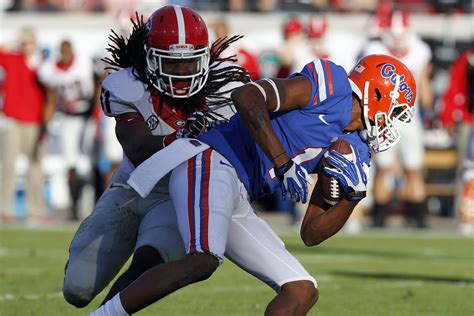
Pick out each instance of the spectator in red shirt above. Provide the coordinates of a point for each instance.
(458, 99)
(457, 115)
(244, 57)
(294, 39)
(25, 116)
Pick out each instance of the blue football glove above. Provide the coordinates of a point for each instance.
(351, 175)
(294, 181)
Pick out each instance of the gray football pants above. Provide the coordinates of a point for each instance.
(120, 223)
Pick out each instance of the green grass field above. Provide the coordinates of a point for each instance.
(369, 274)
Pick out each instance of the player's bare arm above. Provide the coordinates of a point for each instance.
(426, 89)
(340, 163)
(254, 101)
(51, 101)
(136, 139)
(139, 143)
(322, 220)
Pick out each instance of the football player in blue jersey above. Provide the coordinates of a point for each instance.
(282, 129)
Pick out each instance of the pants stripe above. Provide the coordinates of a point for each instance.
(204, 205)
(191, 198)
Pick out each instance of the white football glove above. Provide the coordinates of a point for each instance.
(294, 181)
(351, 175)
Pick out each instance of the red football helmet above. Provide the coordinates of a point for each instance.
(177, 51)
(396, 34)
(387, 91)
(317, 26)
(292, 27)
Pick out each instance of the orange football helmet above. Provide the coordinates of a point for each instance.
(387, 91)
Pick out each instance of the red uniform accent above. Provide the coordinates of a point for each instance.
(328, 73)
(315, 76)
(23, 95)
(205, 200)
(64, 66)
(172, 117)
(127, 120)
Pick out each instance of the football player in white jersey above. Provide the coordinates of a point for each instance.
(71, 88)
(166, 72)
(399, 42)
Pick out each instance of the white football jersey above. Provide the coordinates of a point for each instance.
(74, 85)
(123, 93)
(337, 46)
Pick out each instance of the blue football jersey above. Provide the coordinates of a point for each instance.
(305, 132)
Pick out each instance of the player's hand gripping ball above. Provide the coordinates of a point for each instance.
(331, 172)
(343, 174)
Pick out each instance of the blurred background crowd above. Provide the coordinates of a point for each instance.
(58, 150)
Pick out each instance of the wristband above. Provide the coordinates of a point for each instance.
(280, 171)
(354, 196)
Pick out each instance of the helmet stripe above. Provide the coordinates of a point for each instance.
(355, 89)
(181, 28)
(321, 80)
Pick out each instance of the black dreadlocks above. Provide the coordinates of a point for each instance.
(131, 53)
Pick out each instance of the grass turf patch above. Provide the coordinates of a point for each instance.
(368, 274)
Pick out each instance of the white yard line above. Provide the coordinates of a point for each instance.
(31, 296)
(35, 252)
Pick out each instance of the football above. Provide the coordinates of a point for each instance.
(332, 191)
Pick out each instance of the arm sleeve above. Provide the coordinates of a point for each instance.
(121, 93)
(309, 71)
(113, 106)
(328, 81)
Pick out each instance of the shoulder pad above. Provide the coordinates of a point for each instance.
(124, 86)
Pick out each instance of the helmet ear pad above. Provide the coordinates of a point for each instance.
(176, 33)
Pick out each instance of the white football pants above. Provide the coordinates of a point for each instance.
(215, 217)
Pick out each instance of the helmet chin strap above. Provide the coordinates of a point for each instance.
(388, 132)
(369, 132)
